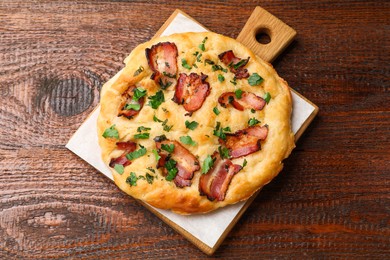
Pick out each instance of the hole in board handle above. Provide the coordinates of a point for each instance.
(263, 36)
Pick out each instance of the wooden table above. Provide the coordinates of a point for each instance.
(331, 200)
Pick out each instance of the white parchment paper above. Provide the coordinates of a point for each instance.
(208, 228)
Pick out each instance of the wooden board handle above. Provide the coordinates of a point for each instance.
(262, 23)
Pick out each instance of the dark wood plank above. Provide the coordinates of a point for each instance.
(331, 200)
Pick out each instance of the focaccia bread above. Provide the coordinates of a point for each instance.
(194, 122)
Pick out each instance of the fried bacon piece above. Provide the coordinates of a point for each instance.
(215, 183)
(162, 60)
(235, 64)
(191, 91)
(245, 141)
(248, 100)
(186, 162)
(127, 147)
(127, 99)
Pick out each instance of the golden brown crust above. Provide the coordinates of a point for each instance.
(262, 166)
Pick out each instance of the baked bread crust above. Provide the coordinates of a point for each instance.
(261, 166)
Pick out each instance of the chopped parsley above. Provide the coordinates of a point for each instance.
(138, 71)
(154, 151)
(169, 75)
(240, 64)
(253, 111)
(119, 168)
(156, 100)
(155, 119)
(224, 152)
(136, 154)
(238, 93)
(216, 67)
(172, 170)
(151, 169)
(111, 132)
(149, 178)
(201, 46)
(132, 179)
(142, 136)
(244, 163)
(142, 128)
(234, 82)
(208, 61)
(139, 93)
(221, 78)
(132, 107)
(216, 111)
(188, 140)
(164, 85)
(168, 147)
(207, 164)
(253, 121)
(191, 125)
(255, 79)
(185, 64)
(220, 132)
(267, 97)
(165, 126)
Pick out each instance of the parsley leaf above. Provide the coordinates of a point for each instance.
(240, 64)
(154, 151)
(253, 121)
(208, 61)
(216, 111)
(168, 147)
(132, 107)
(220, 132)
(119, 168)
(223, 152)
(201, 46)
(149, 178)
(142, 128)
(191, 125)
(216, 67)
(207, 164)
(253, 111)
(185, 64)
(267, 97)
(244, 163)
(238, 93)
(172, 170)
(142, 136)
(188, 140)
(136, 154)
(234, 82)
(255, 79)
(221, 78)
(156, 100)
(164, 85)
(139, 93)
(132, 179)
(138, 71)
(155, 119)
(111, 132)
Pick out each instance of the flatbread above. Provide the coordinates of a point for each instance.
(196, 53)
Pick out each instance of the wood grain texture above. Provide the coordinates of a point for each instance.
(331, 200)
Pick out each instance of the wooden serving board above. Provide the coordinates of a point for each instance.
(280, 35)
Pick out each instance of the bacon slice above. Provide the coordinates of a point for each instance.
(191, 91)
(162, 60)
(127, 147)
(127, 98)
(248, 100)
(245, 141)
(215, 183)
(235, 64)
(186, 164)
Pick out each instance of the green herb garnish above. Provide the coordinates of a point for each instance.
(240, 64)
(138, 71)
(169, 75)
(191, 125)
(208, 61)
(168, 147)
(142, 136)
(255, 79)
(111, 132)
(170, 165)
(223, 152)
(149, 178)
(267, 97)
(253, 111)
(142, 128)
(201, 46)
(156, 100)
(119, 168)
(216, 111)
(132, 179)
(164, 85)
(188, 140)
(238, 93)
(139, 93)
(155, 119)
(244, 163)
(253, 121)
(234, 82)
(185, 64)
(216, 67)
(154, 151)
(207, 164)
(221, 78)
(136, 154)
(135, 107)
(220, 132)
